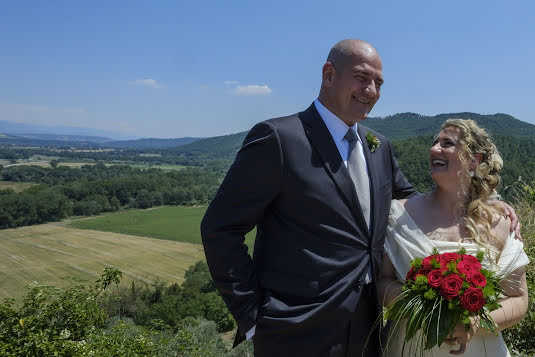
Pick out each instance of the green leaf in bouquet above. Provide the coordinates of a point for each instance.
(421, 280)
(480, 255)
(435, 264)
(431, 294)
(416, 263)
(486, 322)
(415, 319)
(488, 292)
(452, 267)
(441, 325)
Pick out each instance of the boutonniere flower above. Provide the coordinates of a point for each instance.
(373, 141)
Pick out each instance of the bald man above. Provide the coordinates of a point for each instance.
(319, 194)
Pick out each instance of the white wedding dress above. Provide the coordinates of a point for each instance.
(405, 241)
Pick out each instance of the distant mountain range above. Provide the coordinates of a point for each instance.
(395, 127)
(81, 141)
(19, 129)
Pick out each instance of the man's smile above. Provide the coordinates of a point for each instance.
(361, 100)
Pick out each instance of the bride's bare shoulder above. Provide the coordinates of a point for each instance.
(414, 199)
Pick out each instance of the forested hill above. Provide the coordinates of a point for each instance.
(396, 127)
(408, 125)
(215, 148)
(411, 135)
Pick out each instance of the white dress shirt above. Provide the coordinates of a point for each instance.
(338, 130)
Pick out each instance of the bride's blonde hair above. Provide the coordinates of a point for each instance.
(478, 213)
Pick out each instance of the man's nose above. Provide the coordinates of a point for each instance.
(371, 89)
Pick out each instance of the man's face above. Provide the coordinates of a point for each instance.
(356, 86)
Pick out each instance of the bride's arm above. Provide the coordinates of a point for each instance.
(388, 286)
(515, 305)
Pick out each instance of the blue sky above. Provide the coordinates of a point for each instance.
(205, 68)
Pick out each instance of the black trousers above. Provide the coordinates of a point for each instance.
(362, 340)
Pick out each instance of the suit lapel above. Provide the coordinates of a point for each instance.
(373, 174)
(322, 141)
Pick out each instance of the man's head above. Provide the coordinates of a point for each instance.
(351, 80)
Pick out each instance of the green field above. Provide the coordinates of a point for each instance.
(16, 186)
(177, 223)
(165, 167)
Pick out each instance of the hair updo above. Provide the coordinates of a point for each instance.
(478, 214)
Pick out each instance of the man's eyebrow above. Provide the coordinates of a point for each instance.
(366, 72)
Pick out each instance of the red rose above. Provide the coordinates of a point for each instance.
(450, 286)
(411, 274)
(426, 264)
(465, 267)
(473, 260)
(449, 257)
(434, 277)
(423, 270)
(476, 278)
(472, 299)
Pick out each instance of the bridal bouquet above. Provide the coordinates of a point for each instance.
(443, 290)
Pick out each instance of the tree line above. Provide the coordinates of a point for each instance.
(96, 188)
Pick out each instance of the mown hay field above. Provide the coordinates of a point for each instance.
(48, 253)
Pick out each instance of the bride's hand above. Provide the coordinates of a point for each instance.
(510, 212)
(461, 336)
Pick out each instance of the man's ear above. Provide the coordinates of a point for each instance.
(328, 72)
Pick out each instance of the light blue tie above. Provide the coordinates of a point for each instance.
(357, 171)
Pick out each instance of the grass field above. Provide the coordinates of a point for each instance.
(47, 253)
(177, 223)
(16, 186)
(165, 167)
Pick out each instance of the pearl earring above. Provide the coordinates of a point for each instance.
(471, 173)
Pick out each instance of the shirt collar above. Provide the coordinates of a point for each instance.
(335, 125)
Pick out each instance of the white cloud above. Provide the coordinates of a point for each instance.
(231, 82)
(253, 89)
(147, 83)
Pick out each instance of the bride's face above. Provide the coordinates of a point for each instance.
(445, 158)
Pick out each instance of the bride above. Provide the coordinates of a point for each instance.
(465, 166)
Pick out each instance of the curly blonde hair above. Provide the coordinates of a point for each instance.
(478, 213)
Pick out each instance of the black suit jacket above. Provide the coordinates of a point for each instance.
(312, 247)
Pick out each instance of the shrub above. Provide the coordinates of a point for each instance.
(519, 337)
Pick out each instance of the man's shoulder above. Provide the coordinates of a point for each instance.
(289, 123)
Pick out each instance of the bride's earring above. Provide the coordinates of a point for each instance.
(471, 173)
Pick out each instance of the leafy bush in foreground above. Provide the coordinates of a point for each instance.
(519, 337)
(72, 322)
